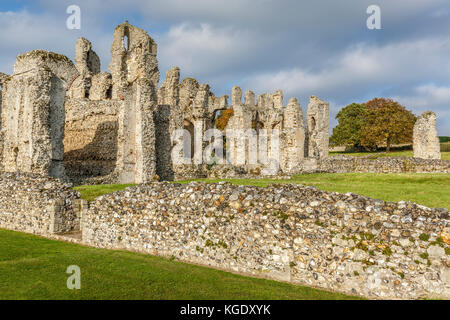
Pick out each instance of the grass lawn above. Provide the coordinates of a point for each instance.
(91, 192)
(445, 155)
(32, 267)
(429, 189)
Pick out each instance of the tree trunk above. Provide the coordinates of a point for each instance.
(388, 145)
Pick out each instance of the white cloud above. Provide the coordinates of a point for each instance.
(430, 97)
(303, 48)
(365, 71)
(24, 31)
(365, 66)
(204, 50)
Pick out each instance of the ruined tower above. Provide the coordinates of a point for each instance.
(135, 77)
(318, 119)
(293, 137)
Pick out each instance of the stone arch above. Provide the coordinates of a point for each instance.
(188, 140)
(312, 124)
(126, 39)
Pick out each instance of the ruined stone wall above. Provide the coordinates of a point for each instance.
(346, 164)
(135, 76)
(3, 77)
(268, 119)
(183, 105)
(342, 242)
(90, 141)
(239, 130)
(318, 119)
(168, 117)
(335, 164)
(33, 113)
(293, 137)
(120, 125)
(37, 204)
(425, 139)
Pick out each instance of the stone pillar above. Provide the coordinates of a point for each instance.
(167, 117)
(293, 137)
(318, 119)
(236, 96)
(425, 139)
(86, 60)
(3, 77)
(249, 100)
(87, 63)
(239, 135)
(277, 97)
(169, 93)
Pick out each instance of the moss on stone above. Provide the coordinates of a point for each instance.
(45, 54)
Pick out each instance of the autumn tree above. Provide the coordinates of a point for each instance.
(388, 122)
(223, 118)
(350, 123)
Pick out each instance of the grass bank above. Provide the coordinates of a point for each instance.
(32, 267)
(429, 189)
(445, 155)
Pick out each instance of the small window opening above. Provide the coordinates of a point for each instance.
(109, 93)
(126, 42)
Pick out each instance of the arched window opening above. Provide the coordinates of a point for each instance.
(313, 124)
(126, 42)
(188, 140)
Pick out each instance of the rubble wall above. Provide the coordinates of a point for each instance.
(342, 242)
(90, 141)
(36, 204)
(344, 164)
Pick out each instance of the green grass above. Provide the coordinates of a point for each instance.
(32, 267)
(91, 192)
(445, 155)
(445, 149)
(429, 189)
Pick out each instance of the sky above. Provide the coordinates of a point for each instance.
(303, 48)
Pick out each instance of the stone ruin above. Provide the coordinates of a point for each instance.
(74, 122)
(425, 139)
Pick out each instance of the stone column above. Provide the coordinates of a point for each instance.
(293, 137)
(318, 118)
(425, 139)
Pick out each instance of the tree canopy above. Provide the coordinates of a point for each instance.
(223, 118)
(378, 121)
(387, 122)
(350, 122)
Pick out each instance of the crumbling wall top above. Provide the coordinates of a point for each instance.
(58, 64)
(3, 77)
(87, 61)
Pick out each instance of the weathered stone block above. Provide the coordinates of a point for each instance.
(425, 139)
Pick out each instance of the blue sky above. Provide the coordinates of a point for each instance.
(304, 48)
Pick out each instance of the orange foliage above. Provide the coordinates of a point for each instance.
(222, 120)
